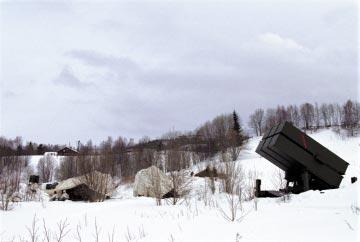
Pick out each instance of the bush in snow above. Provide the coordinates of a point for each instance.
(10, 175)
(46, 168)
(180, 185)
(232, 186)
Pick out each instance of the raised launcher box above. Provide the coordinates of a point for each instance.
(307, 164)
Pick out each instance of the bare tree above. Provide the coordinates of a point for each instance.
(100, 184)
(357, 113)
(307, 115)
(46, 232)
(325, 113)
(350, 116)
(249, 184)
(232, 186)
(234, 152)
(337, 115)
(216, 133)
(33, 231)
(68, 168)
(281, 114)
(278, 180)
(180, 185)
(62, 231)
(270, 118)
(48, 235)
(293, 115)
(256, 121)
(46, 168)
(10, 175)
(317, 116)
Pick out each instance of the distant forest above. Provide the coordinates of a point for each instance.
(309, 116)
(176, 150)
(213, 136)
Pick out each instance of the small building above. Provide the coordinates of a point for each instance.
(66, 151)
(88, 187)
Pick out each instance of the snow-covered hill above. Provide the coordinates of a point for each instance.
(330, 215)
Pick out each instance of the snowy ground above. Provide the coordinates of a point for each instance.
(312, 216)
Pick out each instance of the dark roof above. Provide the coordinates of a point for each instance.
(67, 150)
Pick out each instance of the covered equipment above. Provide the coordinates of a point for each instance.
(307, 164)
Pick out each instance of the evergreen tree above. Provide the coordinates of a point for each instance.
(40, 149)
(30, 149)
(236, 126)
(19, 150)
(237, 129)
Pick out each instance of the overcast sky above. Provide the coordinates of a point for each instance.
(75, 71)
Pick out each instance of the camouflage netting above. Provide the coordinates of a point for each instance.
(151, 182)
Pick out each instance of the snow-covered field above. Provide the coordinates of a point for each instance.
(328, 216)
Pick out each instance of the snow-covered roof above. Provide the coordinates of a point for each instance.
(68, 184)
(76, 181)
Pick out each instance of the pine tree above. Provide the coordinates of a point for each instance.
(40, 149)
(30, 149)
(236, 126)
(237, 129)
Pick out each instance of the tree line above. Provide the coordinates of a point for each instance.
(176, 150)
(16, 146)
(308, 116)
(173, 152)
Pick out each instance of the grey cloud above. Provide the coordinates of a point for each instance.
(340, 15)
(9, 94)
(96, 59)
(159, 65)
(68, 78)
(108, 25)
